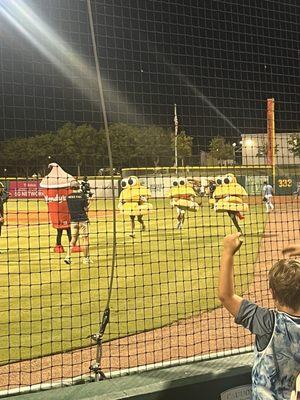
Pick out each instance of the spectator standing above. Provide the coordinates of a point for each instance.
(78, 205)
(4, 195)
(276, 365)
(211, 189)
(86, 187)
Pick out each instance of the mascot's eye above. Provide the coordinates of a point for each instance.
(219, 181)
(124, 183)
(181, 181)
(132, 181)
(226, 180)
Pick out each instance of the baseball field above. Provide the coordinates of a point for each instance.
(162, 275)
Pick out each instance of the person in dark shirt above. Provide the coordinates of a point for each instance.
(4, 195)
(86, 187)
(276, 363)
(211, 188)
(78, 206)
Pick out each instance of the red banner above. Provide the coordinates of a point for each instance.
(25, 190)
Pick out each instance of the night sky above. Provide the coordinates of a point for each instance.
(217, 60)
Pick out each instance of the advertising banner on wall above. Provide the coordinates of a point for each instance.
(25, 189)
(158, 186)
(254, 184)
(102, 188)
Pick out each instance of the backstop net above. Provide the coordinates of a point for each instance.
(111, 264)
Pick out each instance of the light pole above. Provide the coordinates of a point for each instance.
(175, 137)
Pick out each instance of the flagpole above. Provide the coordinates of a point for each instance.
(175, 138)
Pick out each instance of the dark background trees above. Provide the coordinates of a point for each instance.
(219, 151)
(83, 150)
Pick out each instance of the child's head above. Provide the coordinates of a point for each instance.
(284, 281)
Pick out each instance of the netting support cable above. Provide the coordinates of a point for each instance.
(96, 367)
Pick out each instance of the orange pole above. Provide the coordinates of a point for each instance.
(271, 145)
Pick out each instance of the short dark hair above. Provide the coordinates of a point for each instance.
(284, 281)
(75, 185)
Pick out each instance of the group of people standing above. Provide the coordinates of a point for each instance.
(78, 205)
(185, 196)
(134, 203)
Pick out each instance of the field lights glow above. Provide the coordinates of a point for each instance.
(58, 52)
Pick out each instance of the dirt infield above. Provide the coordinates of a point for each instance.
(206, 333)
(43, 217)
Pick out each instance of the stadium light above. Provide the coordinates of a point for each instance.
(56, 49)
(249, 142)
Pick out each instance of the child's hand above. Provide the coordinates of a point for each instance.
(291, 250)
(232, 243)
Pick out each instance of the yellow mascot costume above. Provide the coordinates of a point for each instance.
(229, 197)
(133, 201)
(182, 197)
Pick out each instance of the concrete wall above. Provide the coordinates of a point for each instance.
(219, 379)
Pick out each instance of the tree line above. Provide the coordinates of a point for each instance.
(85, 148)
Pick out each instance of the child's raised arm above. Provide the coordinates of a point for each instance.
(227, 295)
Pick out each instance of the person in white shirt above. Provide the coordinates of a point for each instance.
(267, 192)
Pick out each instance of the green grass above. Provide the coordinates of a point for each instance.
(162, 276)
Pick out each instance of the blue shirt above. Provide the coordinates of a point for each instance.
(276, 351)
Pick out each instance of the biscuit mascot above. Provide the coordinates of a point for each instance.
(182, 195)
(133, 201)
(229, 197)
